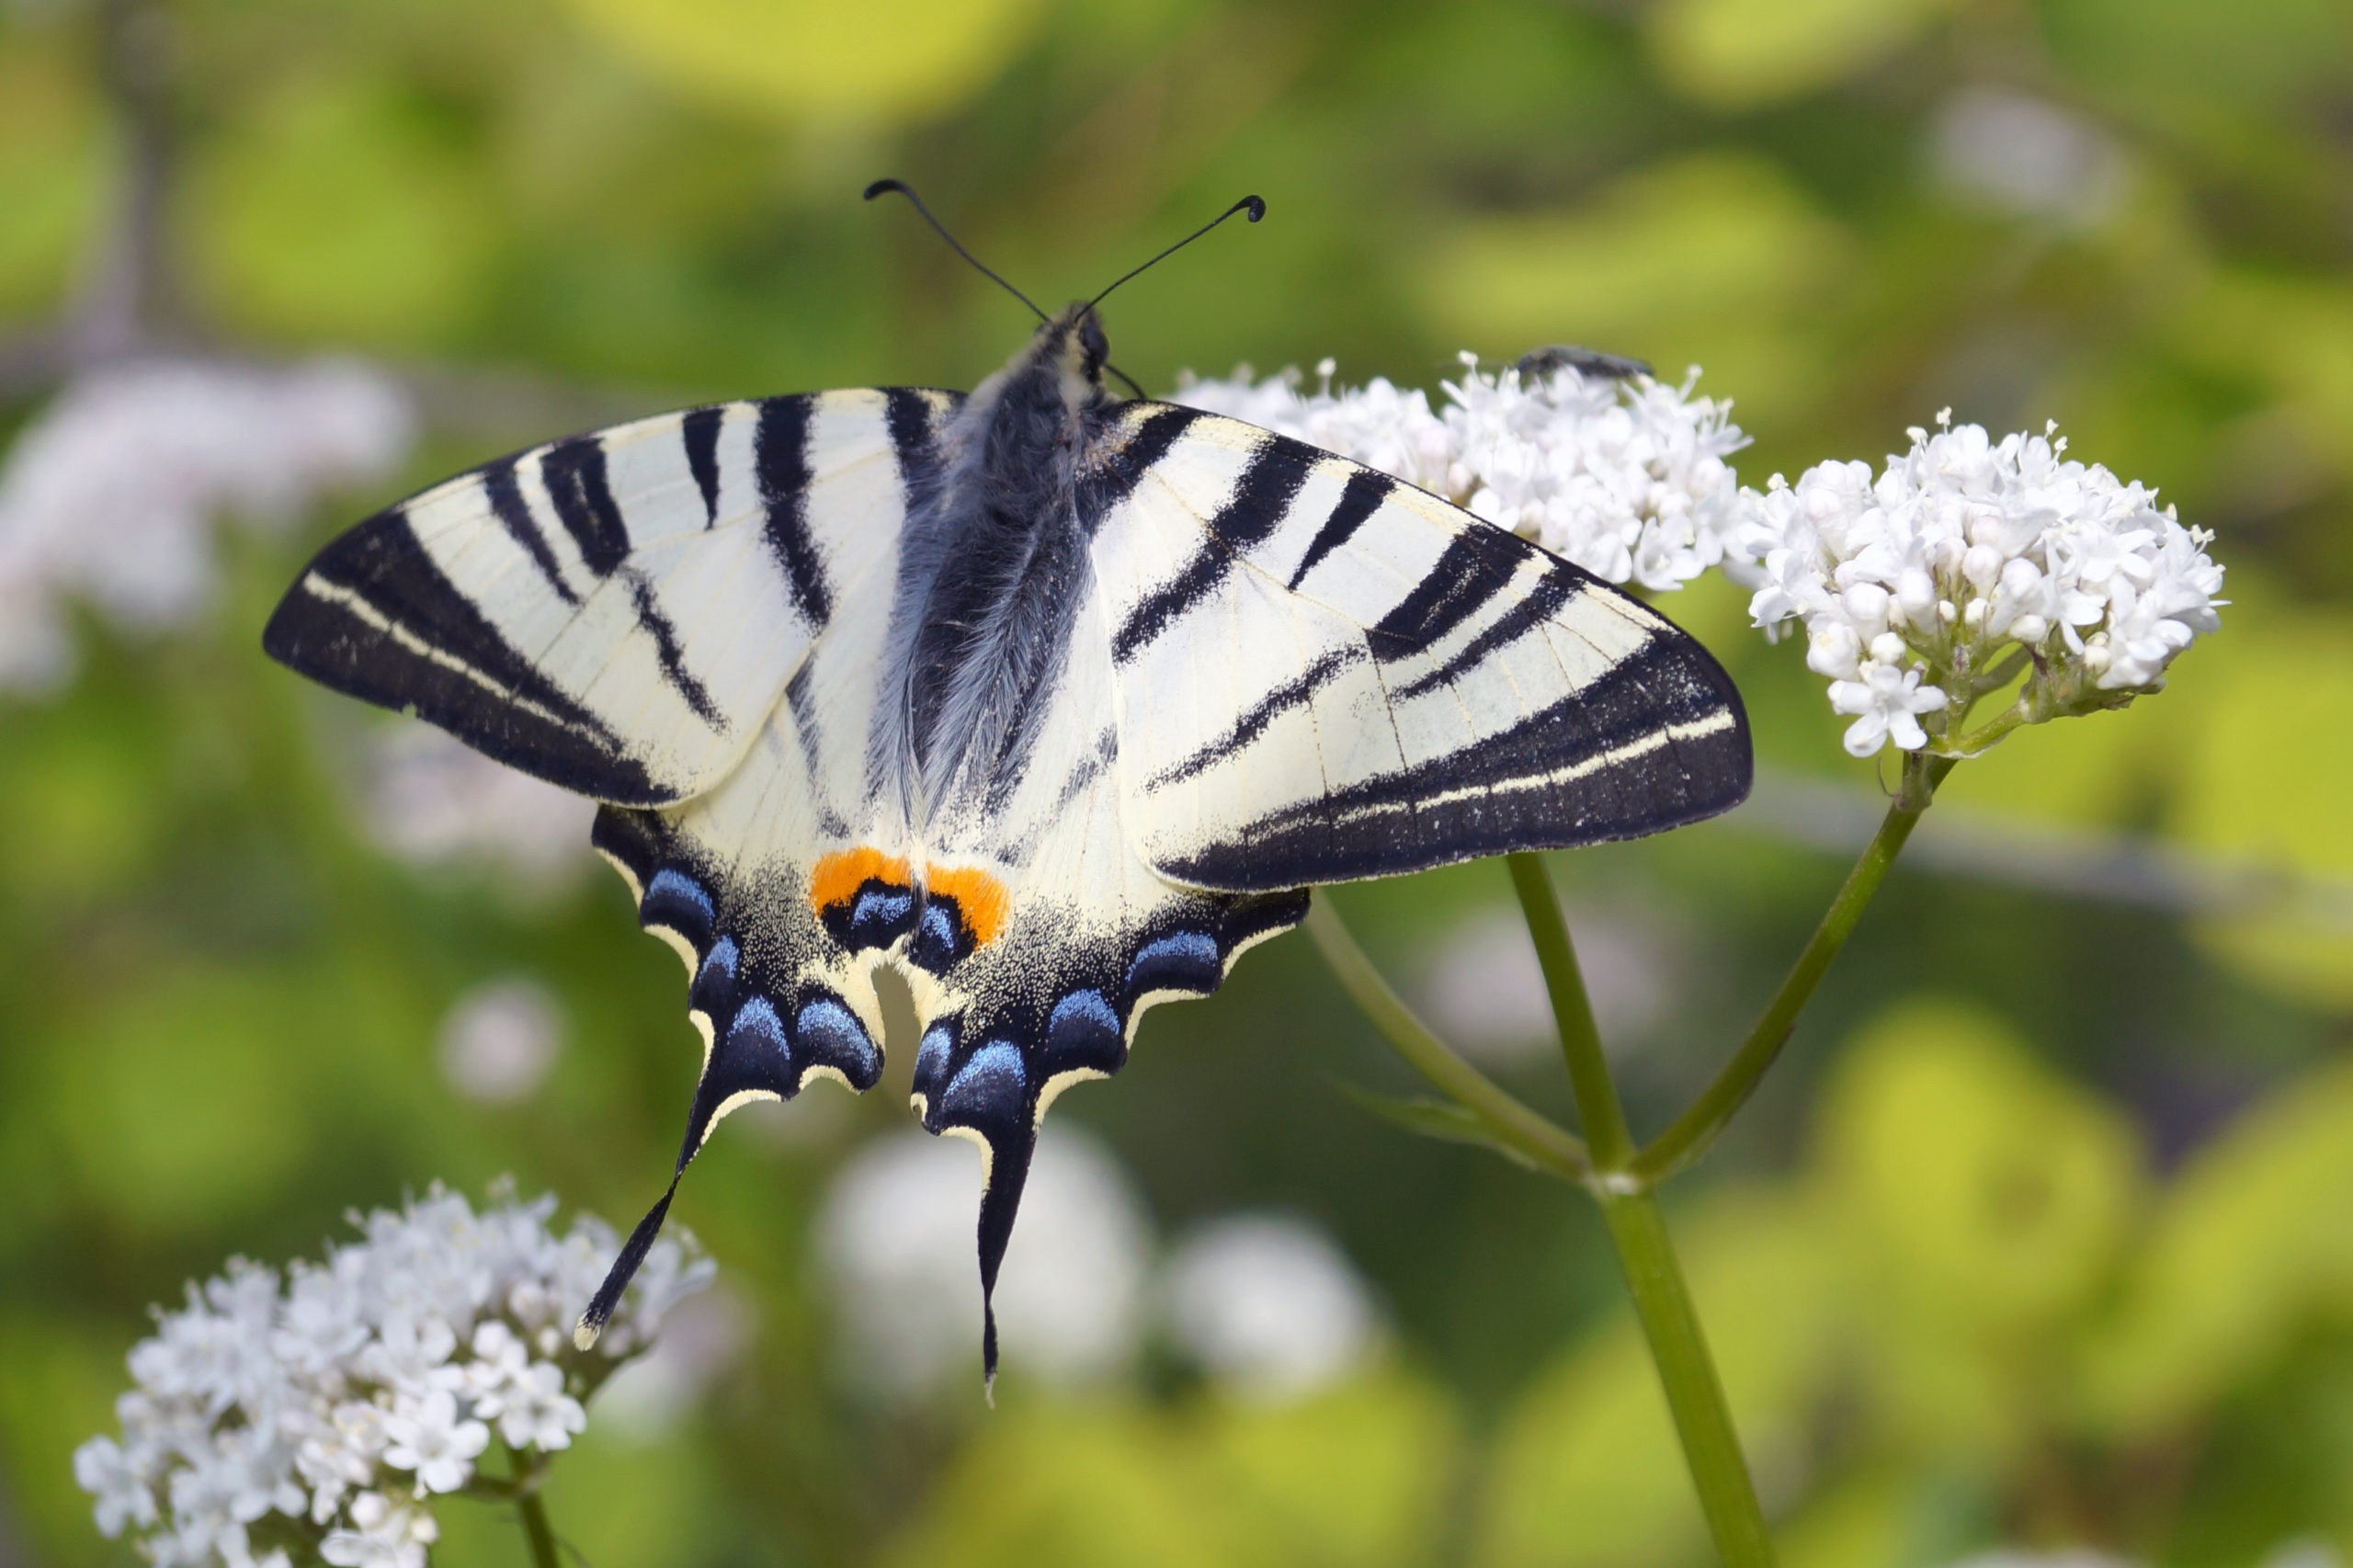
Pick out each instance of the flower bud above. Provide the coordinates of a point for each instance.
(1832, 649)
(1867, 602)
(1915, 591)
(1982, 566)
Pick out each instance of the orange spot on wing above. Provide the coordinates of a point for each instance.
(980, 898)
(836, 876)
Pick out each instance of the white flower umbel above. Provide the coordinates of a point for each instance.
(110, 493)
(1622, 474)
(1966, 565)
(315, 1415)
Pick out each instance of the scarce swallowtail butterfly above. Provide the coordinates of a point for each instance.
(1051, 700)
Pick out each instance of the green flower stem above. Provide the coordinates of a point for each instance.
(1604, 1119)
(1638, 1232)
(1695, 1395)
(534, 1510)
(523, 1487)
(1697, 1128)
(1510, 1123)
(1960, 748)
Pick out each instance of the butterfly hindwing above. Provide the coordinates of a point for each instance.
(1326, 673)
(615, 613)
(1044, 938)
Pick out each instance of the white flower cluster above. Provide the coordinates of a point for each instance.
(315, 1416)
(1621, 474)
(1966, 564)
(110, 493)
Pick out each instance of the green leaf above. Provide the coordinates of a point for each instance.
(1432, 1118)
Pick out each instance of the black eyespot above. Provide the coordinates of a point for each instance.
(1093, 344)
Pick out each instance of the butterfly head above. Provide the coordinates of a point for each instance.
(1072, 349)
(1073, 344)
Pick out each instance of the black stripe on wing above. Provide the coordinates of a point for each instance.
(573, 471)
(655, 623)
(1298, 692)
(1657, 740)
(699, 431)
(989, 1070)
(1261, 500)
(1133, 436)
(374, 618)
(514, 514)
(1477, 566)
(781, 461)
(1359, 499)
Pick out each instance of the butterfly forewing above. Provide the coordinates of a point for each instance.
(619, 612)
(1325, 674)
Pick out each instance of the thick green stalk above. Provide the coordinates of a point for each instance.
(1638, 1232)
(1534, 1139)
(1697, 1127)
(1679, 1348)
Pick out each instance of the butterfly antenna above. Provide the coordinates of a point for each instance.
(880, 185)
(1251, 204)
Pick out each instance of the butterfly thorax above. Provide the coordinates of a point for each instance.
(993, 562)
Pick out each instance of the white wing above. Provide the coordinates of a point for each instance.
(1325, 674)
(615, 613)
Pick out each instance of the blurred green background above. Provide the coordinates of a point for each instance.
(2041, 1235)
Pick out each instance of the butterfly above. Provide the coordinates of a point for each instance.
(1051, 700)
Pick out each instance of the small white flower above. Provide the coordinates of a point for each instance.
(428, 1437)
(101, 1467)
(387, 1535)
(533, 1411)
(1624, 476)
(1889, 699)
(1965, 563)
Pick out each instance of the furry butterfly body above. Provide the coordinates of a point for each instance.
(1053, 701)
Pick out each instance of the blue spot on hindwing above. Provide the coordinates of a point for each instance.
(830, 1035)
(878, 915)
(990, 1092)
(940, 937)
(677, 901)
(1182, 961)
(1084, 1032)
(756, 1036)
(931, 1061)
(714, 987)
